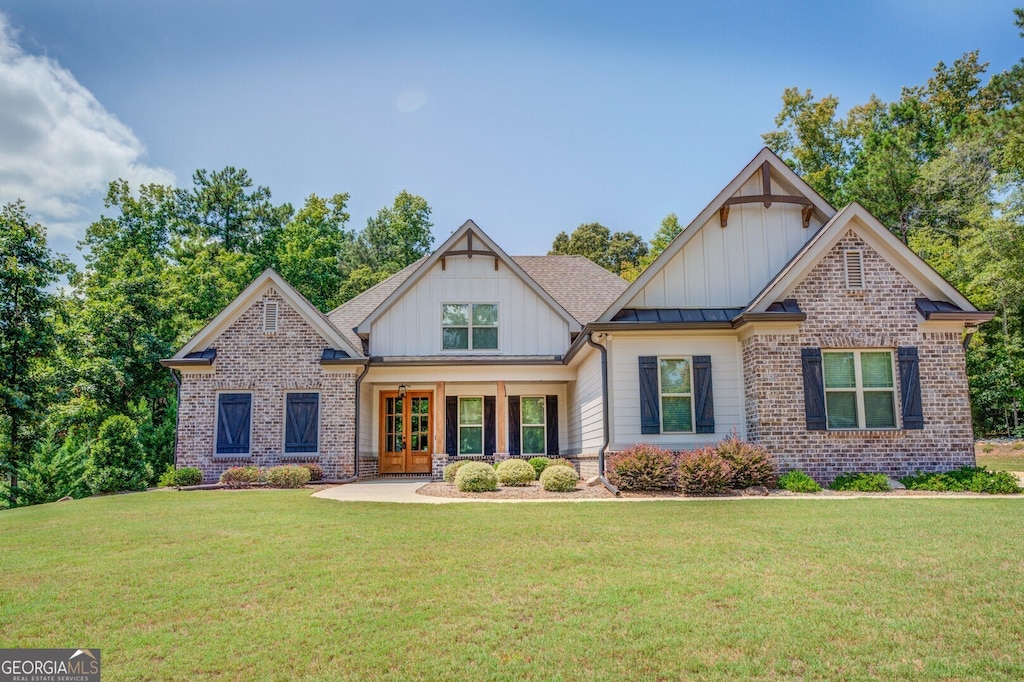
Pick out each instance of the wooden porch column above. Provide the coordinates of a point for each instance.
(501, 418)
(439, 409)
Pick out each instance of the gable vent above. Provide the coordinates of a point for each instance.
(854, 270)
(269, 316)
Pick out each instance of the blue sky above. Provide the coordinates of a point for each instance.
(528, 117)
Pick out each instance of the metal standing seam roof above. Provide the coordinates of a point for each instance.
(582, 287)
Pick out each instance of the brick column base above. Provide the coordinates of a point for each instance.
(439, 460)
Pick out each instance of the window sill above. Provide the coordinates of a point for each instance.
(304, 456)
(859, 433)
(239, 457)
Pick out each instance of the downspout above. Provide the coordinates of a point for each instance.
(355, 445)
(605, 415)
(177, 411)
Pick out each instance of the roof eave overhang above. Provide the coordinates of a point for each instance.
(354, 362)
(176, 363)
(967, 317)
(378, 361)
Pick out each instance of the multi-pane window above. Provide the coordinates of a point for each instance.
(533, 425)
(675, 384)
(471, 426)
(302, 422)
(469, 326)
(859, 389)
(234, 417)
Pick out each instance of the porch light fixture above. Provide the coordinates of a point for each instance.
(401, 390)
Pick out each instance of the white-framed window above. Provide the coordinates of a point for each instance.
(533, 425)
(301, 422)
(860, 392)
(234, 423)
(675, 387)
(269, 317)
(469, 326)
(471, 425)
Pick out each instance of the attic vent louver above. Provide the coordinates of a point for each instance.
(854, 270)
(269, 316)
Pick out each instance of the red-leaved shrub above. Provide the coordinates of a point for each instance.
(644, 467)
(751, 464)
(316, 472)
(703, 472)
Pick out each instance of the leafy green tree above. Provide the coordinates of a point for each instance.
(310, 249)
(28, 270)
(619, 252)
(116, 462)
(55, 470)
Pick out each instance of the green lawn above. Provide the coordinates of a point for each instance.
(278, 585)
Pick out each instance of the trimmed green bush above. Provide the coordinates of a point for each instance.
(316, 472)
(476, 477)
(515, 472)
(861, 482)
(561, 462)
(539, 464)
(644, 467)
(559, 478)
(242, 477)
(287, 476)
(187, 476)
(751, 464)
(703, 472)
(964, 479)
(167, 477)
(453, 468)
(116, 462)
(798, 482)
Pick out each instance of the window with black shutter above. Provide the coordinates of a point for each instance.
(234, 417)
(302, 422)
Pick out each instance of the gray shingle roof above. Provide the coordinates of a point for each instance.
(582, 287)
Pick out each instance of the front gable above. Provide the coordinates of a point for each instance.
(469, 268)
(736, 245)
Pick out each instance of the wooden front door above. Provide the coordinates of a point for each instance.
(406, 432)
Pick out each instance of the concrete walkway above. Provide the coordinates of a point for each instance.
(403, 491)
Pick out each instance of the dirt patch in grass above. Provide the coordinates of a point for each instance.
(1000, 455)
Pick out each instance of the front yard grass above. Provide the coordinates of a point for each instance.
(277, 585)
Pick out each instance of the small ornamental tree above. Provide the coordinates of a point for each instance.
(116, 462)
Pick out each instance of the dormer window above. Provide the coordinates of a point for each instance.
(469, 326)
(269, 317)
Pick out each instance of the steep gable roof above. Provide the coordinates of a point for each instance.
(317, 320)
(780, 173)
(581, 286)
(424, 266)
(857, 218)
(349, 314)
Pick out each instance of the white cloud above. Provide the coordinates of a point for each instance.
(59, 148)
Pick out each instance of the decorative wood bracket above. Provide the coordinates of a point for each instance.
(469, 252)
(767, 198)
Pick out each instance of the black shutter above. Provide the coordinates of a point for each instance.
(814, 389)
(451, 425)
(703, 394)
(551, 417)
(513, 425)
(301, 422)
(910, 388)
(234, 413)
(489, 427)
(650, 401)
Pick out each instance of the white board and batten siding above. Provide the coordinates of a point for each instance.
(585, 407)
(527, 325)
(726, 267)
(624, 379)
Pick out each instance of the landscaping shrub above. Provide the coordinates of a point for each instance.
(53, 471)
(751, 464)
(861, 482)
(167, 477)
(514, 472)
(644, 467)
(704, 472)
(798, 482)
(116, 462)
(561, 462)
(242, 477)
(316, 472)
(188, 476)
(287, 476)
(973, 479)
(539, 464)
(987, 448)
(559, 478)
(476, 477)
(1017, 446)
(453, 468)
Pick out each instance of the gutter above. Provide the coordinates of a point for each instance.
(606, 422)
(177, 411)
(356, 439)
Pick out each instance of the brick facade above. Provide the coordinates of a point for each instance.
(882, 315)
(268, 366)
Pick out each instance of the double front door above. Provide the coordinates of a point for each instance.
(406, 432)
